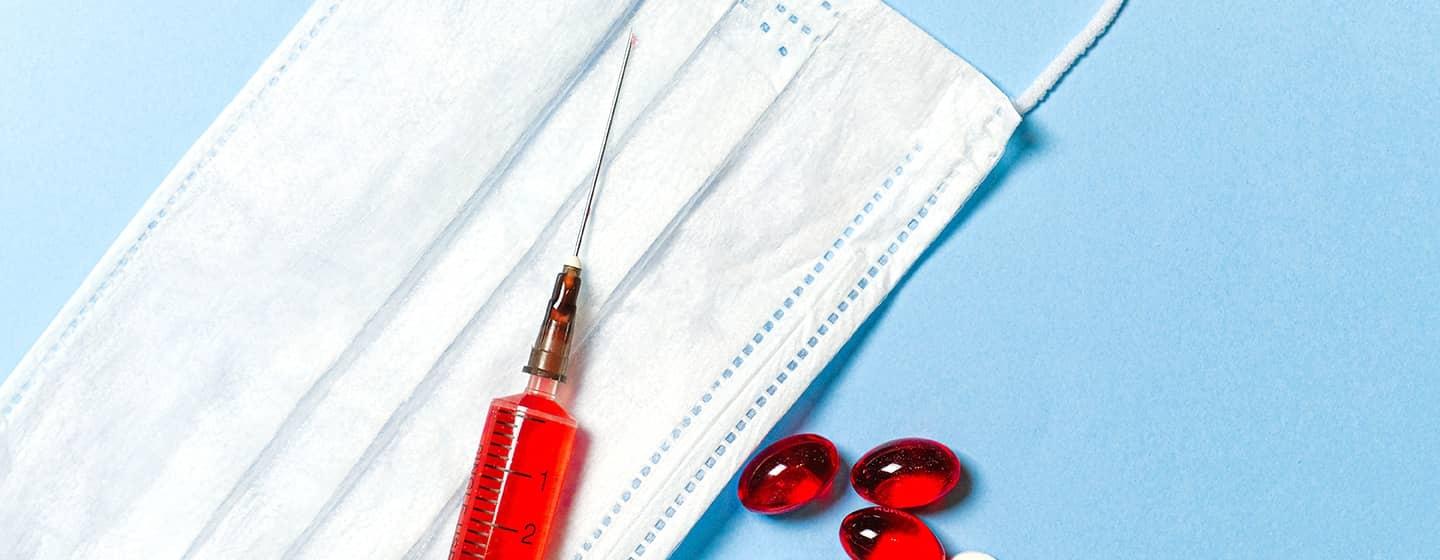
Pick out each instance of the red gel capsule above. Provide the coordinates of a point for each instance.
(881, 533)
(906, 473)
(788, 474)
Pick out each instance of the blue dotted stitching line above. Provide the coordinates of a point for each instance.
(164, 210)
(739, 359)
(800, 355)
(793, 19)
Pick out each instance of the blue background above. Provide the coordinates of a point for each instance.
(1195, 312)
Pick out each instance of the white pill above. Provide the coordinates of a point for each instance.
(972, 555)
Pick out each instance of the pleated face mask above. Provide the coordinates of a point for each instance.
(289, 352)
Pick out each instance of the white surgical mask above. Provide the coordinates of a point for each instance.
(290, 350)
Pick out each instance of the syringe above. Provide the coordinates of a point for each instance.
(515, 486)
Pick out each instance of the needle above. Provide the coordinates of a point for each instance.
(614, 104)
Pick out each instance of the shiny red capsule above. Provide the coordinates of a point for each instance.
(906, 473)
(881, 533)
(788, 474)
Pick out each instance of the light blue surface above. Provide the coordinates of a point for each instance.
(1196, 313)
(98, 100)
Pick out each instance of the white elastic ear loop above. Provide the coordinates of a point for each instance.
(1062, 63)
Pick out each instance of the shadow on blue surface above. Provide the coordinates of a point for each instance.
(1026, 140)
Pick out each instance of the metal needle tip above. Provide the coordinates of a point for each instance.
(600, 163)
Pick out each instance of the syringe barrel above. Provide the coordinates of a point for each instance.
(512, 500)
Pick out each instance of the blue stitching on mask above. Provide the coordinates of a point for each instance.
(780, 378)
(786, 14)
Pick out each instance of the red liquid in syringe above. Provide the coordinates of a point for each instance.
(515, 487)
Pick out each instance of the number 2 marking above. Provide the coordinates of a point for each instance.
(529, 533)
